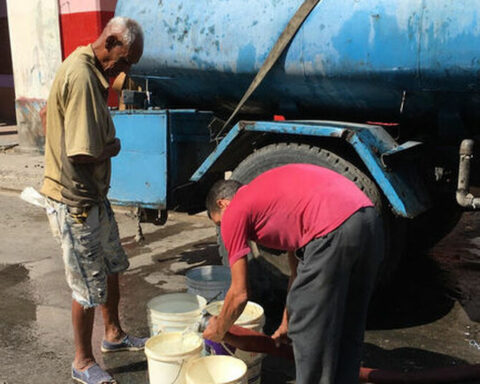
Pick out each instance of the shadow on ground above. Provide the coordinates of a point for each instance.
(406, 359)
(417, 295)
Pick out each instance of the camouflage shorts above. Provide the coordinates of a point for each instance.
(91, 248)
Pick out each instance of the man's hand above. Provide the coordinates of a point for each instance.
(280, 335)
(213, 332)
(233, 305)
(112, 149)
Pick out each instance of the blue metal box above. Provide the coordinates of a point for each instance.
(160, 151)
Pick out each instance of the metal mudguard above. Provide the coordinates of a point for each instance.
(388, 162)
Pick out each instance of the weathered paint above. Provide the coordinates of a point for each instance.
(139, 172)
(35, 45)
(36, 55)
(350, 56)
(370, 142)
(29, 125)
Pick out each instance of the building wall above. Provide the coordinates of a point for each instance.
(7, 92)
(81, 22)
(36, 55)
(42, 33)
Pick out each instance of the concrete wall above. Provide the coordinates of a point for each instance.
(36, 55)
(7, 93)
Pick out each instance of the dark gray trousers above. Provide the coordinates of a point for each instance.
(328, 301)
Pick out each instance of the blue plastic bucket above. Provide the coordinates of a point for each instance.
(210, 281)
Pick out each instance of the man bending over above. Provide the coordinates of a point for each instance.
(334, 239)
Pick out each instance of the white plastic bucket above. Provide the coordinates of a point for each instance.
(168, 355)
(174, 312)
(209, 281)
(252, 317)
(216, 370)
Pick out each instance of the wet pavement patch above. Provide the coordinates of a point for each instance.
(18, 309)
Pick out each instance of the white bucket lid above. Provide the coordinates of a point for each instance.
(216, 369)
(252, 314)
(173, 346)
(177, 303)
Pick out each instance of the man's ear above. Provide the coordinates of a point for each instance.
(110, 42)
(223, 203)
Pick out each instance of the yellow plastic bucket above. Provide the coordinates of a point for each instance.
(216, 370)
(168, 354)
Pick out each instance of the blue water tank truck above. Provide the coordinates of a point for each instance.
(385, 92)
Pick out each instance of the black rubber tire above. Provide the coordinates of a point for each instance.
(276, 155)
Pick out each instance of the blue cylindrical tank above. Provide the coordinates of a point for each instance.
(350, 56)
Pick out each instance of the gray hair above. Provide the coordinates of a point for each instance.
(127, 28)
(222, 189)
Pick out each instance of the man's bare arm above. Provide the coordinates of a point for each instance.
(234, 304)
(110, 150)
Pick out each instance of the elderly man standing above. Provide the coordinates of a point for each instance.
(334, 240)
(80, 141)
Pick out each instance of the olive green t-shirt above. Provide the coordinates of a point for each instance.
(78, 123)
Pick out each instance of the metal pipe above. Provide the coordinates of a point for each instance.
(464, 197)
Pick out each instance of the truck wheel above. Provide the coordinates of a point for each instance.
(276, 155)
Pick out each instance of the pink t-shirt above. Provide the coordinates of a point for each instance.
(287, 207)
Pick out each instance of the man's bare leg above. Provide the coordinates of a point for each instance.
(111, 320)
(82, 320)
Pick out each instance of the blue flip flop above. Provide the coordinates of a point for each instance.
(129, 343)
(92, 375)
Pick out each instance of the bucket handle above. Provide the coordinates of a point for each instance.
(160, 330)
(178, 373)
(227, 349)
(214, 297)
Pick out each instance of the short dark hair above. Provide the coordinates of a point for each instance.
(222, 189)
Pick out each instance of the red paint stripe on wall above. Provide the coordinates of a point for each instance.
(81, 29)
(80, 6)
